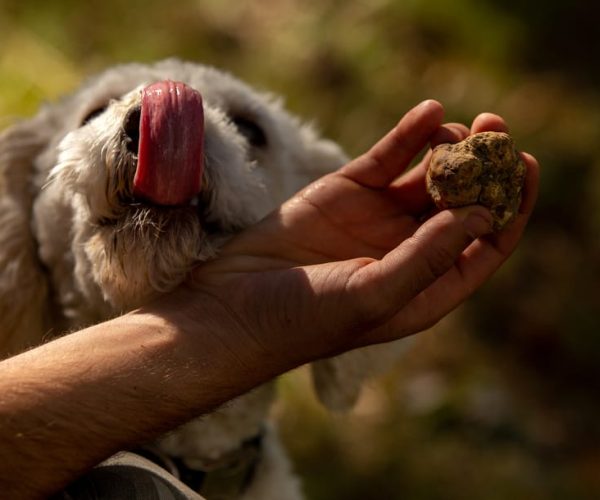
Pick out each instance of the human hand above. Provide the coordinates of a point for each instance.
(353, 259)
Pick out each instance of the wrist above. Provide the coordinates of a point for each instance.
(213, 350)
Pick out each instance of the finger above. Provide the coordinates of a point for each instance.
(410, 189)
(449, 132)
(385, 286)
(488, 122)
(387, 159)
(532, 183)
(473, 268)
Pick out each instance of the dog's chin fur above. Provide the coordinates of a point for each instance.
(76, 247)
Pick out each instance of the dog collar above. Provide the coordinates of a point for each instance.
(225, 478)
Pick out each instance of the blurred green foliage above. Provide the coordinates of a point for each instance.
(501, 399)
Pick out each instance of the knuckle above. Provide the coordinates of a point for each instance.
(437, 260)
(370, 304)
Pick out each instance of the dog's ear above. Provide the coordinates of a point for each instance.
(338, 380)
(22, 282)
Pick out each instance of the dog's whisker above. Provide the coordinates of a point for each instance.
(49, 180)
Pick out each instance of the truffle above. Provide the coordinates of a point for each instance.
(484, 169)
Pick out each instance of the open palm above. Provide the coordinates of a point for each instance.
(363, 248)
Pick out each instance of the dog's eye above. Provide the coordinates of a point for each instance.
(93, 114)
(253, 133)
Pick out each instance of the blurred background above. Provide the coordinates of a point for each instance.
(500, 400)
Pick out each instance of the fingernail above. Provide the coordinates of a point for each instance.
(477, 224)
(428, 103)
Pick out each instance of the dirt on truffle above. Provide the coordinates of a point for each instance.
(484, 169)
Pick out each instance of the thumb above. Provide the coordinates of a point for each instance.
(387, 285)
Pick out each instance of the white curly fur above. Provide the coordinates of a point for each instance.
(73, 252)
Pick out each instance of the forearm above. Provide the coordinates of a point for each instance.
(69, 404)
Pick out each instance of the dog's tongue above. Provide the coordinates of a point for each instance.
(170, 154)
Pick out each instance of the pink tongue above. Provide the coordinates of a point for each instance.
(170, 155)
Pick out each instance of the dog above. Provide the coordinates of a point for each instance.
(98, 216)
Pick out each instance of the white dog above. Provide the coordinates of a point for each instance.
(109, 197)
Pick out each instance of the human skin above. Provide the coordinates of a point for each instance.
(349, 261)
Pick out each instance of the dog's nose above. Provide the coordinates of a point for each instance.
(131, 125)
(171, 144)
